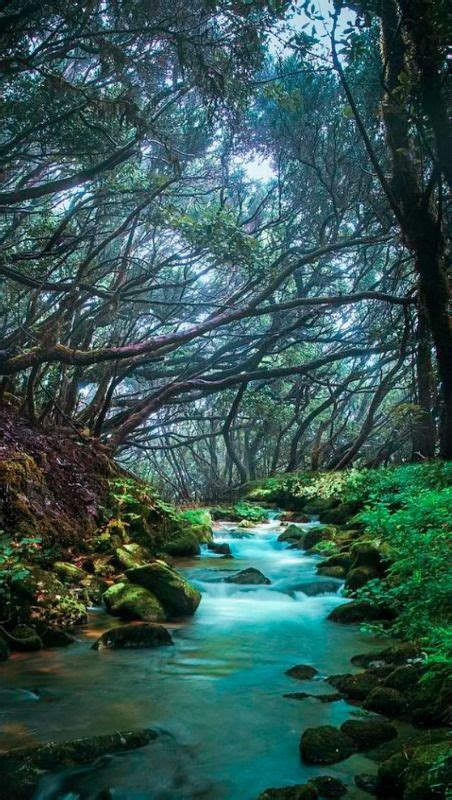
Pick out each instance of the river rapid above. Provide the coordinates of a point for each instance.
(217, 695)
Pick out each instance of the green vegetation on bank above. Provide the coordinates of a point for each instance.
(404, 512)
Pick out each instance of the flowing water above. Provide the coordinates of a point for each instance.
(217, 695)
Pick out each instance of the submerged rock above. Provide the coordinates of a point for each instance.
(306, 791)
(325, 745)
(143, 635)
(130, 601)
(22, 769)
(331, 697)
(250, 576)
(177, 596)
(301, 672)
(368, 733)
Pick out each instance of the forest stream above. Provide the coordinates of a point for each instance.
(216, 696)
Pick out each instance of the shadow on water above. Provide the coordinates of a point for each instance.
(217, 695)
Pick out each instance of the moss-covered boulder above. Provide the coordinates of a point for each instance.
(319, 534)
(391, 776)
(359, 576)
(397, 654)
(357, 687)
(24, 638)
(22, 769)
(301, 672)
(320, 505)
(293, 533)
(69, 573)
(359, 611)
(325, 745)
(405, 677)
(132, 555)
(344, 559)
(306, 791)
(368, 733)
(141, 635)
(177, 596)
(429, 773)
(130, 601)
(248, 577)
(4, 650)
(332, 572)
(340, 514)
(329, 787)
(384, 700)
(44, 599)
(182, 544)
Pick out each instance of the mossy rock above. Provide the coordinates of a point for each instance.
(41, 595)
(143, 635)
(24, 639)
(367, 555)
(306, 791)
(69, 573)
(177, 596)
(329, 787)
(368, 733)
(182, 545)
(359, 611)
(4, 650)
(391, 776)
(384, 700)
(325, 745)
(315, 535)
(397, 654)
(339, 560)
(430, 699)
(332, 572)
(293, 533)
(320, 505)
(301, 672)
(429, 772)
(132, 555)
(357, 687)
(248, 577)
(130, 601)
(341, 514)
(404, 677)
(359, 576)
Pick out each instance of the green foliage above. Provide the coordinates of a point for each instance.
(250, 512)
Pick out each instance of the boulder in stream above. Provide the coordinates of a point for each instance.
(292, 534)
(369, 733)
(221, 548)
(177, 596)
(301, 672)
(359, 611)
(130, 601)
(248, 577)
(22, 769)
(325, 745)
(305, 791)
(140, 635)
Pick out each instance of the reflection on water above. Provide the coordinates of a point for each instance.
(217, 695)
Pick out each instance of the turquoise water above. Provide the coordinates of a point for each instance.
(217, 695)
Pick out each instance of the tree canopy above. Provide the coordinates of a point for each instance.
(224, 232)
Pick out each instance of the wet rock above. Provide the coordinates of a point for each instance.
(132, 555)
(141, 635)
(368, 783)
(367, 555)
(329, 787)
(339, 560)
(177, 596)
(321, 534)
(305, 791)
(316, 587)
(22, 769)
(24, 639)
(332, 572)
(385, 701)
(221, 548)
(357, 687)
(54, 637)
(341, 514)
(130, 601)
(301, 672)
(331, 697)
(4, 650)
(325, 745)
(429, 772)
(248, 577)
(293, 516)
(94, 587)
(359, 611)
(404, 677)
(391, 776)
(368, 733)
(359, 576)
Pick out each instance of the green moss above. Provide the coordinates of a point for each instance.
(131, 601)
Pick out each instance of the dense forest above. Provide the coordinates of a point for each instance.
(225, 399)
